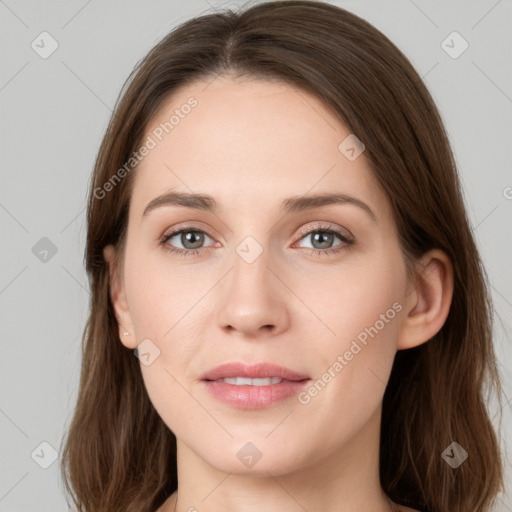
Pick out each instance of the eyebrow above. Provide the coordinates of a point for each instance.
(290, 205)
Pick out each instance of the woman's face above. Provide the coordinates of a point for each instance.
(259, 278)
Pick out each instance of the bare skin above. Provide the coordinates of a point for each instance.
(170, 505)
(251, 145)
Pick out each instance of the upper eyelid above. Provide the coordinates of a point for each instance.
(325, 227)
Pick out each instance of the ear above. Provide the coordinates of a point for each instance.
(428, 303)
(118, 299)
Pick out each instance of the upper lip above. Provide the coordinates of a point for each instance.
(254, 371)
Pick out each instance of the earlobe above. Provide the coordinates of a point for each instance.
(428, 304)
(118, 299)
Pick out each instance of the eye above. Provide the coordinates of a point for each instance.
(191, 239)
(322, 238)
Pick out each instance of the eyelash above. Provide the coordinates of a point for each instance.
(346, 241)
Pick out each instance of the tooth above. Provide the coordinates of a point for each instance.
(267, 381)
(246, 381)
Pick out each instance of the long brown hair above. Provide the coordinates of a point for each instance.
(119, 455)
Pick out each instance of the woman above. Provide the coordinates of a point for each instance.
(276, 231)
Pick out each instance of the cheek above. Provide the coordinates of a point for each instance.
(350, 299)
(159, 294)
(352, 366)
(164, 304)
(361, 310)
(166, 389)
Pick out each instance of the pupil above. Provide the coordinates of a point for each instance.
(324, 239)
(192, 237)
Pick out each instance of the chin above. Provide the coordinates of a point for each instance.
(256, 458)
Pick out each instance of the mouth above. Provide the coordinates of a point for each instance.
(253, 386)
(247, 381)
(253, 372)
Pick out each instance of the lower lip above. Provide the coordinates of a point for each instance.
(254, 397)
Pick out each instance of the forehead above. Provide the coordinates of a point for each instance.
(247, 142)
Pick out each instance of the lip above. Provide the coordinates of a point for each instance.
(248, 396)
(253, 371)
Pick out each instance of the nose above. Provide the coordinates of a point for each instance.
(252, 298)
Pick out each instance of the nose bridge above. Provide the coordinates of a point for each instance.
(250, 249)
(251, 298)
(250, 267)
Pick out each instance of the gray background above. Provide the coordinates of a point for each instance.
(54, 113)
